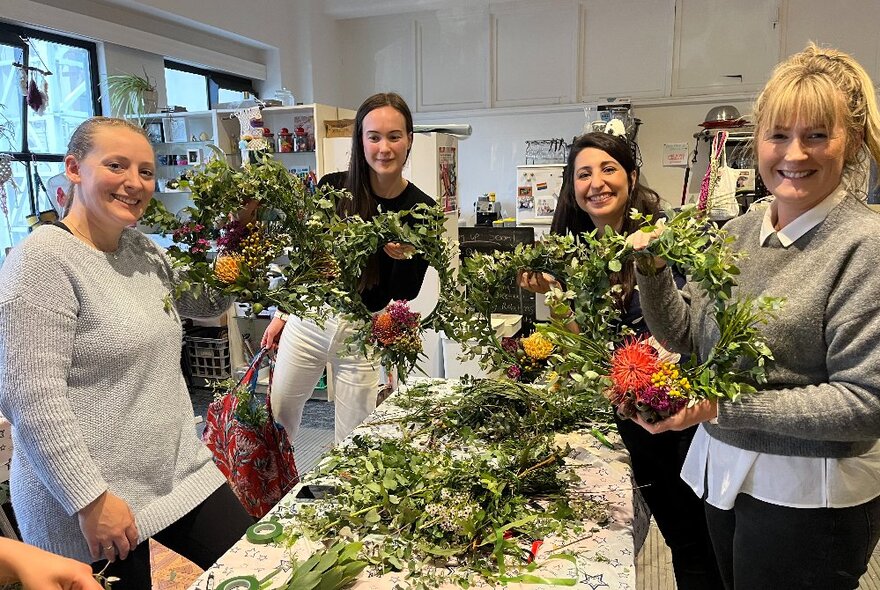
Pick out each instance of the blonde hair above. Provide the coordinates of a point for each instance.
(823, 86)
(83, 140)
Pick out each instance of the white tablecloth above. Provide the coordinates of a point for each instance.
(605, 554)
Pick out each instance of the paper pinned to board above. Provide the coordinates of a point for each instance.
(460, 130)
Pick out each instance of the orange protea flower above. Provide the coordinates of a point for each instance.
(227, 268)
(383, 328)
(537, 346)
(632, 366)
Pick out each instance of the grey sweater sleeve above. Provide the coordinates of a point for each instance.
(35, 358)
(667, 310)
(207, 304)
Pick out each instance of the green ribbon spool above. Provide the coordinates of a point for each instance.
(240, 583)
(264, 532)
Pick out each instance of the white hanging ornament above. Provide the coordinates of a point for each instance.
(22, 80)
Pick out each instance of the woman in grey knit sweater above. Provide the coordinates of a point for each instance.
(790, 477)
(105, 449)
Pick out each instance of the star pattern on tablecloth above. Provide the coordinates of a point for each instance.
(594, 582)
(626, 551)
(286, 565)
(252, 553)
(616, 562)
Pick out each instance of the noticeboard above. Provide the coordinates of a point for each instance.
(486, 240)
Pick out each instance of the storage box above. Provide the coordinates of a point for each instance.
(207, 358)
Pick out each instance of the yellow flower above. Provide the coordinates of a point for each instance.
(227, 268)
(537, 346)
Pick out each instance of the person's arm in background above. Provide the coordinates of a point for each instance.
(40, 570)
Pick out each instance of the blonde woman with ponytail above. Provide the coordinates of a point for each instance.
(791, 477)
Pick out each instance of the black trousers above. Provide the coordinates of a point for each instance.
(202, 536)
(656, 462)
(762, 546)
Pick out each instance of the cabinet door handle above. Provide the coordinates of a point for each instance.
(738, 76)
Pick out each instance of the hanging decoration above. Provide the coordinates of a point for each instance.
(6, 176)
(32, 81)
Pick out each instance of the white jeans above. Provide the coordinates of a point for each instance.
(304, 349)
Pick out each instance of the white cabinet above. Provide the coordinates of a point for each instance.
(625, 48)
(452, 60)
(534, 61)
(723, 46)
(850, 27)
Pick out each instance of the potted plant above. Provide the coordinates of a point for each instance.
(132, 95)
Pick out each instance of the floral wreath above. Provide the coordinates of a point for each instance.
(255, 233)
(394, 335)
(603, 358)
(483, 276)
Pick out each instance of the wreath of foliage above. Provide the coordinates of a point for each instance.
(354, 241)
(581, 359)
(246, 225)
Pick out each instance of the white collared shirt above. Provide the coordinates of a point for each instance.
(719, 471)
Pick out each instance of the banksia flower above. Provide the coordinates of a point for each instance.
(383, 328)
(227, 268)
(326, 264)
(537, 346)
(632, 367)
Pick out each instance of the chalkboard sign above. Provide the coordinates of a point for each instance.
(486, 240)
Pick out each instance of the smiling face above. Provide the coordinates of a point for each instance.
(115, 180)
(801, 163)
(601, 187)
(386, 142)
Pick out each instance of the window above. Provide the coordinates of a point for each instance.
(36, 141)
(199, 90)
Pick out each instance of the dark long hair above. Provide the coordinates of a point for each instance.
(363, 202)
(358, 182)
(569, 218)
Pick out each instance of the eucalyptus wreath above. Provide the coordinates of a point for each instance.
(354, 241)
(586, 328)
(255, 233)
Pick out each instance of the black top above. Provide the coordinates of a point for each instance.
(398, 279)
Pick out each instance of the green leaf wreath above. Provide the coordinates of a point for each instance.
(397, 345)
(244, 226)
(583, 359)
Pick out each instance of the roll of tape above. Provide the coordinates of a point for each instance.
(264, 532)
(240, 583)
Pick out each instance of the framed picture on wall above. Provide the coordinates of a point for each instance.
(175, 129)
(194, 156)
(155, 132)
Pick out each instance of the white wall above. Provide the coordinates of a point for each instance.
(377, 55)
(488, 159)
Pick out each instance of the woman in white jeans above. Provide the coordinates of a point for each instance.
(381, 143)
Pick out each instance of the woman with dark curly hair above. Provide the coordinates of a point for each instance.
(600, 186)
